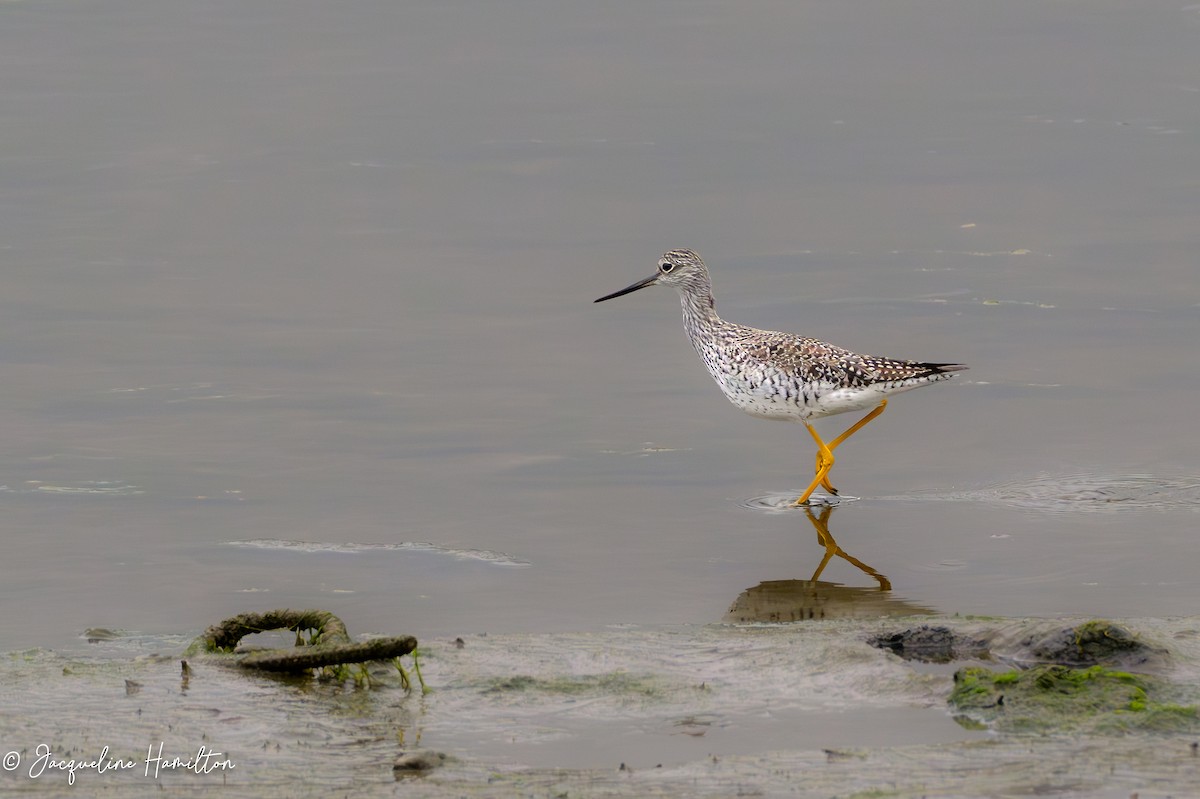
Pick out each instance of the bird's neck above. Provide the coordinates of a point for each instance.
(699, 312)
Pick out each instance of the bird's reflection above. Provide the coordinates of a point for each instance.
(799, 600)
(821, 524)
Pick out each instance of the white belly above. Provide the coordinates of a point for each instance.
(790, 403)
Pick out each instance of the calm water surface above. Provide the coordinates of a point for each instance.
(296, 307)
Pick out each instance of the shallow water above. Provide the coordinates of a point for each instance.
(297, 309)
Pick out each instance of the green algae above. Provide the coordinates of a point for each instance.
(1062, 699)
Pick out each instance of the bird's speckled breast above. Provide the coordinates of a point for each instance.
(767, 392)
(774, 375)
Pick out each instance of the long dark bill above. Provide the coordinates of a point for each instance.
(641, 284)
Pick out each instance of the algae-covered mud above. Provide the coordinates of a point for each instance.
(845, 707)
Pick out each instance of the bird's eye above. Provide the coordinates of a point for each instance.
(666, 266)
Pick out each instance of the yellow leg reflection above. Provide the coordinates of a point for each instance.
(825, 453)
(793, 600)
(821, 523)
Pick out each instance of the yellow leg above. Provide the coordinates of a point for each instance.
(825, 452)
(854, 428)
(824, 464)
(825, 483)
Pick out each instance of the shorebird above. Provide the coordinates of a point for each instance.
(773, 375)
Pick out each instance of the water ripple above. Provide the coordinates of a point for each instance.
(351, 548)
(1091, 492)
(104, 488)
(1083, 492)
(784, 503)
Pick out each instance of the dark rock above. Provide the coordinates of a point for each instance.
(929, 644)
(1092, 643)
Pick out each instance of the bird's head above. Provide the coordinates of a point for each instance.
(681, 269)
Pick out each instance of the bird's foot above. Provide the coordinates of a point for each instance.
(823, 501)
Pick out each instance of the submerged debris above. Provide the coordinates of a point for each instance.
(95, 635)
(417, 762)
(329, 645)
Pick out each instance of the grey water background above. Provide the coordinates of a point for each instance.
(295, 307)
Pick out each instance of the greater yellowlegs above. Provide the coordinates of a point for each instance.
(783, 376)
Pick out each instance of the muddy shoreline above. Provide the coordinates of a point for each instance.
(810, 709)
